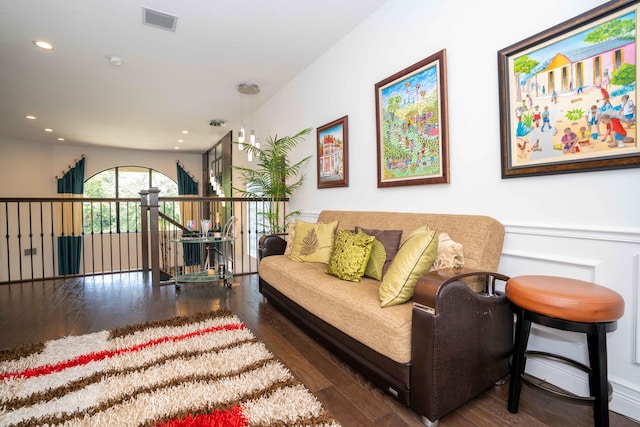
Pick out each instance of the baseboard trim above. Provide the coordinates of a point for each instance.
(625, 399)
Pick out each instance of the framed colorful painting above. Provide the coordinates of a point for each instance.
(411, 122)
(333, 154)
(568, 95)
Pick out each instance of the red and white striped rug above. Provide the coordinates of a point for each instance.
(204, 370)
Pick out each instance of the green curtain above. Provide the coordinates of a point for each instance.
(69, 250)
(70, 220)
(187, 186)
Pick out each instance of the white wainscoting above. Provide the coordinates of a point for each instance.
(609, 258)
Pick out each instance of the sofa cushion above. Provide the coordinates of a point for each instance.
(414, 258)
(352, 307)
(390, 241)
(313, 242)
(350, 255)
(450, 254)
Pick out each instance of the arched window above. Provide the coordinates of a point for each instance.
(121, 182)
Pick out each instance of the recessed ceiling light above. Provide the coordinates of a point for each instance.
(43, 44)
(60, 139)
(176, 148)
(116, 61)
(181, 140)
(185, 132)
(30, 117)
(248, 88)
(48, 130)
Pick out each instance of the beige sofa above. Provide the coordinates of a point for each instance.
(434, 353)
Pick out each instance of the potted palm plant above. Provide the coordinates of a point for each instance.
(274, 178)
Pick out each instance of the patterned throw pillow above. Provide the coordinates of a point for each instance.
(350, 255)
(313, 242)
(414, 258)
(291, 234)
(450, 254)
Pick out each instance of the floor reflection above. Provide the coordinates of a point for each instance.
(41, 311)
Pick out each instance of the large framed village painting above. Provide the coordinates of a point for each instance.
(411, 124)
(568, 95)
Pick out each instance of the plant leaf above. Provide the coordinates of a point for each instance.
(275, 177)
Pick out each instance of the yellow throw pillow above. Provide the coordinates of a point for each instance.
(414, 258)
(376, 260)
(350, 255)
(313, 242)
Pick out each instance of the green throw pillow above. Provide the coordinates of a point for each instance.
(376, 261)
(414, 258)
(350, 255)
(313, 242)
(390, 240)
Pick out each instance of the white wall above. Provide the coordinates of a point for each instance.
(401, 33)
(35, 166)
(581, 225)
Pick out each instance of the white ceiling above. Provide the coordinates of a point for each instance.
(169, 81)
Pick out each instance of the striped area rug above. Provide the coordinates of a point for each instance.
(204, 370)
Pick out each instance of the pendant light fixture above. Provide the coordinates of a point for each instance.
(241, 136)
(248, 89)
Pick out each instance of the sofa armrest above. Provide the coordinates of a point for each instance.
(430, 285)
(461, 340)
(271, 244)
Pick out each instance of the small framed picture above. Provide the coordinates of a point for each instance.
(333, 154)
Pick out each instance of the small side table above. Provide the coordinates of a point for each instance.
(569, 305)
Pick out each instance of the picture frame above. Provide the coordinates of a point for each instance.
(549, 84)
(412, 125)
(333, 154)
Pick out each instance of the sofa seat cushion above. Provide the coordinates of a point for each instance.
(352, 307)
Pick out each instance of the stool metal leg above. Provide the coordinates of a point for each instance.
(598, 382)
(518, 361)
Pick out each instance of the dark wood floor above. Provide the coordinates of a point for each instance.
(41, 311)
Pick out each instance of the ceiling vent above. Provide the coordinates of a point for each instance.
(159, 19)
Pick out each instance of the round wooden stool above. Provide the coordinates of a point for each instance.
(569, 305)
